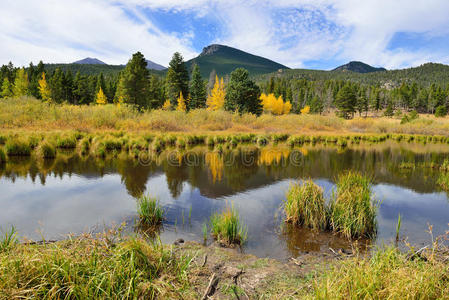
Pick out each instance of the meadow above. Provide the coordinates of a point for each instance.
(31, 114)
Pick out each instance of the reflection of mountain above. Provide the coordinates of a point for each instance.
(217, 175)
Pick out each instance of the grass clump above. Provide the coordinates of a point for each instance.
(305, 205)
(443, 181)
(8, 240)
(66, 141)
(93, 268)
(17, 147)
(226, 227)
(353, 208)
(150, 211)
(2, 156)
(46, 150)
(388, 274)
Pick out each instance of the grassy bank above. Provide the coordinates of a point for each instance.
(31, 114)
(110, 267)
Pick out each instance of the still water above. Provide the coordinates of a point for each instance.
(72, 194)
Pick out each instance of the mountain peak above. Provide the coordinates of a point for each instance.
(89, 61)
(358, 67)
(154, 66)
(211, 49)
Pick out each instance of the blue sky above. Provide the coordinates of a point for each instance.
(319, 34)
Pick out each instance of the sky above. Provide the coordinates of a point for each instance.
(314, 34)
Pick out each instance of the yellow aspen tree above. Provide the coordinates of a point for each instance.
(167, 105)
(44, 89)
(21, 83)
(287, 108)
(305, 110)
(101, 98)
(216, 99)
(181, 103)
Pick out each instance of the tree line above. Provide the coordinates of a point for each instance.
(180, 89)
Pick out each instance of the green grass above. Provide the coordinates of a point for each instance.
(2, 156)
(443, 181)
(305, 205)
(66, 141)
(8, 240)
(17, 147)
(46, 150)
(388, 274)
(226, 227)
(150, 211)
(88, 268)
(353, 208)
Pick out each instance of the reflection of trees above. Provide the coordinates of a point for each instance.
(236, 170)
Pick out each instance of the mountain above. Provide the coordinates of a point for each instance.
(154, 66)
(224, 60)
(358, 67)
(89, 61)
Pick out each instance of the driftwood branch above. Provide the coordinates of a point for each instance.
(211, 287)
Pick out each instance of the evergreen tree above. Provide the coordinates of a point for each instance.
(316, 105)
(156, 92)
(6, 90)
(133, 84)
(81, 89)
(242, 94)
(345, 101)
(211, 81)
(197, 90)
(57, 86)
(21, 83)
(177, 78)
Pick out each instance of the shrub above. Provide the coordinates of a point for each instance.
(226, 227)
(352, 208)
(305, 205)
(17, 147)
(149, 211)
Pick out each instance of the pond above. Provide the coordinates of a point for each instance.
(48, 199)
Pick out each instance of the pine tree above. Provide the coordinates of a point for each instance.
(177, 78)
(6, 88)
(100, 97)
(21, 83)
(133, 84)
(345, 101)
(197, 90)
(316, 105)
(44, 89)
(216, 99)
(57, 86)
(181, 103)
(242, 94)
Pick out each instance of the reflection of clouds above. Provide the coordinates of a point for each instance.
(72, 205)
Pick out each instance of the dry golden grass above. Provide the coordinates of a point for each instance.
(30, 114)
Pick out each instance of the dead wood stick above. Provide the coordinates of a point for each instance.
(211, 287)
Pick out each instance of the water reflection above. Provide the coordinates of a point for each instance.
(73, 193)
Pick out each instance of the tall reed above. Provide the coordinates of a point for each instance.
(353, 208)
(150, 211)
(305, 205)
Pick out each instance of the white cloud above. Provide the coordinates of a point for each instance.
(289, 31)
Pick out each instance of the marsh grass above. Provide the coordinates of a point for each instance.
(387, 274)
(8, 240)
(17, 147)
(93, 268)
(353, 209)
(305, 205)
(2, 156)
(66, 141)
(226, 227)
(443, 180)
(150, 211)
(46, 150)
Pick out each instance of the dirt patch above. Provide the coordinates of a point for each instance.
(224, 273)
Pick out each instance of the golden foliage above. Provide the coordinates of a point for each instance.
(167, 105)
(305, 110)
(216, 99)
(44, 89)
(100, 98)
(216, 165)
(274, 105)
(181, 103)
